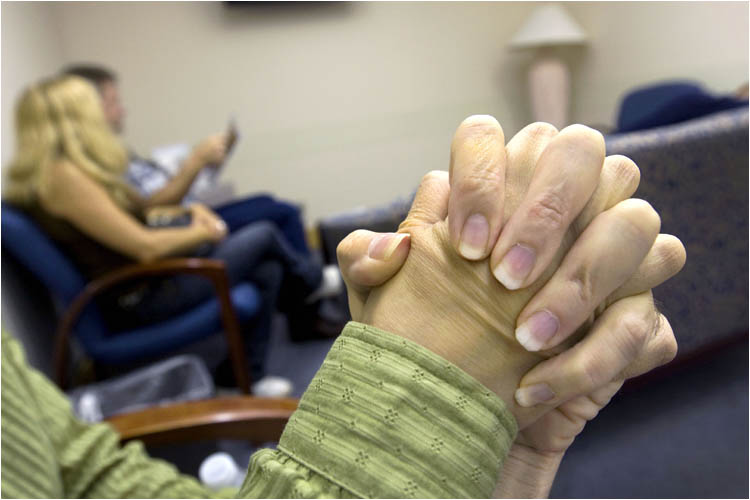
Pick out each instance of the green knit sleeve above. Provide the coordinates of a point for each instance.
(385, 417)
(47, 452)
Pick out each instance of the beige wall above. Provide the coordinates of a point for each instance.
(349, 104)
(31, 49)
(337, 105)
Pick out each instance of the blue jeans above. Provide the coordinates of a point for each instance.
(263, 207)
(258, 254)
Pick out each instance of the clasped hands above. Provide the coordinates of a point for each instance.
(529, 266)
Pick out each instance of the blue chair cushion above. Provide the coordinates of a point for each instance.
(153, 340)
(37, 253)
(30, 246)
(670, 102)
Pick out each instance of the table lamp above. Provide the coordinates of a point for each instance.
(548, 27)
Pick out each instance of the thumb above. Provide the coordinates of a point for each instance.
(368, 259)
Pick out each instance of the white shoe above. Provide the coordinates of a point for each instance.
(331, 285)
(271, 386)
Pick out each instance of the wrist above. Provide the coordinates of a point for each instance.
(490, 358)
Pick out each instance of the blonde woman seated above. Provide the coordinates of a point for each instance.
(67, 174)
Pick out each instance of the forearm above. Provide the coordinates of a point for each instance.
(527, 473)
(179, 185)
(169, 241)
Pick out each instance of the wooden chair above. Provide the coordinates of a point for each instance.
(256, 420)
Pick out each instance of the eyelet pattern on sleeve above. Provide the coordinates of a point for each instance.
(412, 424)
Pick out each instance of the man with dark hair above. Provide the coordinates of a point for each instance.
(106, 83)
(91, 72)
(157, 184)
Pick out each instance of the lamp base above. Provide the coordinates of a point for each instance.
(549, 89)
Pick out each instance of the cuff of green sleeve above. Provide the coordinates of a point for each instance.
(385, 417)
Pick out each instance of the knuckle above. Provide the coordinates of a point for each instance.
(587, 138)
(598, 400)
(650, 214)
(642, 209)
(408, 224)
(540, 129)
(592, 373)
(362, 274)
(581, 284)
(343, 247)
(642, 219)
(590, 410)
(564, 441)
(668, 343)
(483, 124)
(671, 253)
(625, 166)
(433, 177)
(479, 134)
(549, 210)
(625, 169)
(636, 331)
(346, 246)
(480, 180)
(602, 396)
(668, 350)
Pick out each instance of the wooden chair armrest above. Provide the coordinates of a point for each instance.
(189, 265)
(212, 269)
(258, 420)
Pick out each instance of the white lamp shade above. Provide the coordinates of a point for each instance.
(548, 25)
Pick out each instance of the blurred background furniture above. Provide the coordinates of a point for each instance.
(79, 318)
(254, 420)
(192, 433)
(695, 174)
(671, 102)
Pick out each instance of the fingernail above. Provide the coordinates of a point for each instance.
(474, 236)
(533, 395)
(537, 330)
(515, 266)
(383, 245)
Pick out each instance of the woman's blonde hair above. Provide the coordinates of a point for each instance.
(62, 118)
